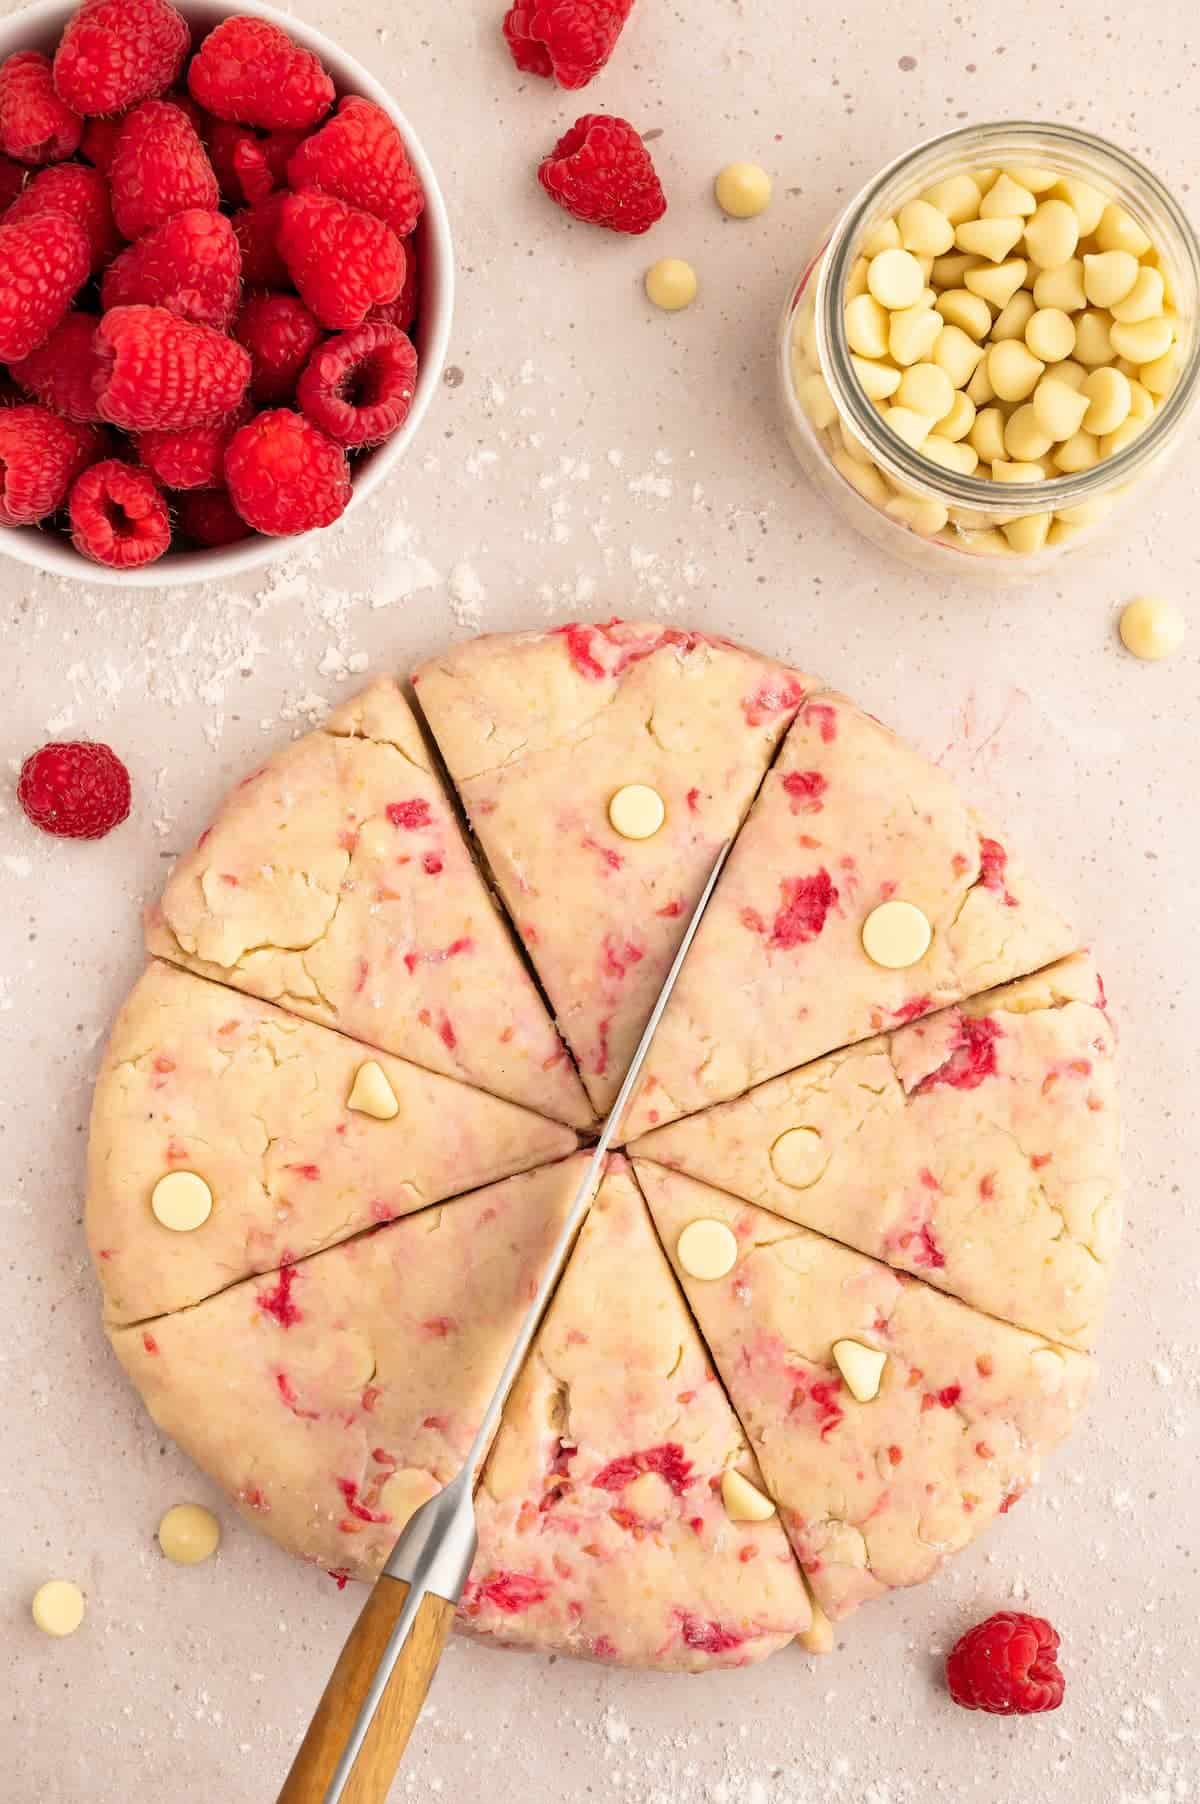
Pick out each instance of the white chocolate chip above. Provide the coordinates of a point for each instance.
(1093, 345)
(1049, 1368)
(959, 307)
(856, 281)
(1109, 276)
(799, 1158)
(990, 238)
(949, 271)
(1025, 441)
(1004, 470)
(1013, 319)
(637, 811)
(814, 397)
(883, 237)
(1052, 235)
(861, 1367)
(1161, 375)
(1013, 370)
(181, 1201)
(743, 1501)
(914, 331)
(1050, 334)
(897, 934)
(1141, 401)
(924, 230)
(707, 1250)
(58, 1608)
(950, 455)
(1007, 197)
(927, 389)
(879, 380)
(189, 1534)
(1080, 452)
(372, 1094)
(1145, 300)
(867, 326)
(1119, 231)
(1152, 628)
(743, 190)
(1038, 181)
(1058, 408)
(987, 434)
(1109, 400)
(402, 1495)
(671, 284)
(818, 1637)
(863, 476)
(1112, 442)
(957, 196)
(979, 388)
(924, 517)
(1061, 287)
(957, 423)
(1145, 341)
(1086, 202)
(913, 428)
(958, 355)
(1028, 534)
(999, 284)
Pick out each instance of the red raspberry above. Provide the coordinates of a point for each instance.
(191, 265)
(35, 126)
(359, 156)
(601, 172)
(43, 263)
(12, 180)
(80, 193)
(40, 457)
(158, 370)
(249, 164)
(343, 261)
(74, 790)
(403, 310)
(359, 388)
(570, 40)
(193, 458)
(159, 168)
(99, 141)
(284, 476)
(1007, 1666)
(257, 231)
(62, 372)
(250, 71)
(118, 516)
(279, 332)
(209, 518)
(117, 52)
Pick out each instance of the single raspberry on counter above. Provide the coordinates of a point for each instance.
(208, 518)
(249, 164)
(359, 388)
(40, 457)
(359, 156)
(342, 260)
(35, 126)
(114, 53)
(192, 265)
(601, 173)
(1007, 1666)
(158, 370)
(82, 194)
(404, 309)
(251, 72)
(99, 141)
(569, 40)
(257, 231)
(192, 458)
(74, 789)
(159, 168)
(285, 476)
(118, 516)
(280, 334)
(44, 262)
(62, 373)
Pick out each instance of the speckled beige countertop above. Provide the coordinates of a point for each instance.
(589, 456)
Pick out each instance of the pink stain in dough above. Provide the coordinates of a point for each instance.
(771, 698)
(600, 1067)
(806, 788)
(707, 1637)
(668, 1461)
(671, 912)
(693, 801)
(930, 1255)
(310, 1173)
(455, 949)
(446, 1033)
(912, 1011)
(411, 815)
(824, 718)
(357, 1508)
(150, 1344)
(972, 1057)
(806, 905)
(438, 1327)
(612, 860)
(278, 1303)
(993, 867)
(433, 864)
(582, 642)
(512, 1593)
(288, 1392)
(618, 959)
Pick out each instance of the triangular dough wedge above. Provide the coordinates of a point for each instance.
(978, 1148)
(539, 732)
(334, 1397)
(849, 818)
(602, 1526)
(200, 1079)
(874, 1493)
(337, 882)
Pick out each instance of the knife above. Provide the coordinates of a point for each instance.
(372, 1702)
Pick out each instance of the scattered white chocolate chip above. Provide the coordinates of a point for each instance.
(818, 1637)
(743, 190)
(189, 1534)
(707, 1250)
(372, 1093)
(671, 284)
(637, 811)
(861, 1367)
(404, 1492)
(1152, 628)
(743, 1501)
(181, 1201)
(799, 1158)
(58, 1608)
(1049, 1368)
(896, 935)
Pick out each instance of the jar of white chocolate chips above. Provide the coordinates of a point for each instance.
(995, 344)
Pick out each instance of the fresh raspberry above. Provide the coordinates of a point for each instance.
(250, 71)
(158, 371)
(192, 458)
(74, 790)
(117, 52)
(99, 142)
(12, 180)
(601, 172)
(359, 156)
(359, 388)
(159, 168)
(40, 457)
(280, 333)
(191, 265)
(82, 194)
(118, 516)
(35, 126)
(570, 40)
(257, 231)
(1007, 1666)
(403, 310)
(249, 164)
(62, 372)
(209, 518)
(43, 263)
(285, 476)
(343, 261)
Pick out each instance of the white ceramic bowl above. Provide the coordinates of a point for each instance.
(39, 28)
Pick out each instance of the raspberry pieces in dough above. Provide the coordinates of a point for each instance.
(332, 1399)
(978, 1148)
(850, 818)
(603, 1529)
(260, 1107)
(541, 731)
(337, 882)
(873, 1494)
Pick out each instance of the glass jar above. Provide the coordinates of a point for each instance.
(938, 518)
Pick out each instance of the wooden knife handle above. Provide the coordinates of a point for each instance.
(399, 1708)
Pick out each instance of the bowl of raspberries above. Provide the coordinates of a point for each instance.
(226, 284)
